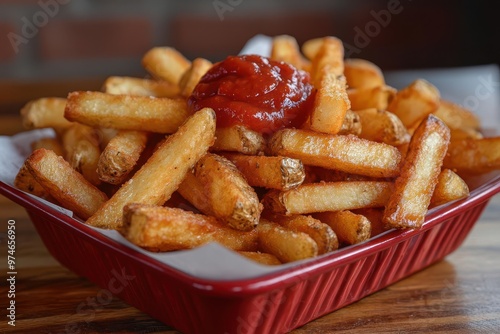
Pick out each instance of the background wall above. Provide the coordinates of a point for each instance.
(75, 44)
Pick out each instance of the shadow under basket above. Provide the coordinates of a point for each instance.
(272, 303)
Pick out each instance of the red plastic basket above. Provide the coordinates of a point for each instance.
(273, 303)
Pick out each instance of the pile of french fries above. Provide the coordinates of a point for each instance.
(369, 158)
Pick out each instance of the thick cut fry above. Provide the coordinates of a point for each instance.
(82, 150)
(160, 176)
(284, 243)
(311, 47)
(120, 156)
(26, 182)
(361, 73)
(322, 234)
(413, 188)
(239, 139)
(329, 196)
(220, 190)
(457, 117)
(351, 124)
(262, 258)
(413, 103)
(383, 127)
(280, 173)
(192, 76)
(371, 97)
(349, 227)
(142, 113)
(165, 63)
(65, 184)
(449, 187)
(471, 156)
(374, 215)
(49, 143)
(161, 229)
(346, 153)
(329, 55)
(330, 103)
(141, 87)
(47, 112)
(465, 133)
(286, 49)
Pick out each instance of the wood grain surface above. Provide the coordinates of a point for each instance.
(460, 294)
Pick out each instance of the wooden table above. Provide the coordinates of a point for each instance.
(458, 295)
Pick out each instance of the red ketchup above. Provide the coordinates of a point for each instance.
(254, 91)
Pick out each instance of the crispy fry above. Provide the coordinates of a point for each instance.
(456, 117)
(465, 133)
(361, 73)
(413, 188)
(328, 196)
(192, 76)
(330, 103)
(262, 258)
(383, 127)
(284, 243)
(220, 190)
(65, 184)
(473, 156)
(349, 227)
(374, 215)
(141, 87)
(449, 187)
(142, 113)
(321, 233)
(49, 143)
(120, 156)
(82, 150)
(165, 63)
(346, 153)
(351, 125)
(413, 103)
(330, 55)
(371, 97)
(26, 182)
(160, 176)
(285, 48)
(45, 112)
(160, 229)
(239, 139)
(280, 173)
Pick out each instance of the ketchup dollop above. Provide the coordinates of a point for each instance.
(257, 92)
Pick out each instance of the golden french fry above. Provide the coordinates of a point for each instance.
(165, 63)
(160, 176)
(286, 49)
(349, 227)
(330, 55)
(65, 184)
(161, 229)
(142, 113)
(120, 156)
(473, 156)
(383, 127)
(281, 173)
(311, 47)
(25, 181)
(321, 233)
(220, 190)
(82, 150)
(413, 103)
(465, 133)
(346, 153)
(351, 125)
(329, 196)
(413, 188)
(284, 243)
(141, 87)
(330, 103)
(377, 97)
(374, 215)
(456, 117)
(239, 139)
(262, 258)
(47, 112)
(192, 76)
(49, 143)
(449, 187)
(361, 73)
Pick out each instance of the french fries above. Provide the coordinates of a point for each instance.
(367, 159)
(415, 185)
(161, 175)
(126, 112)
